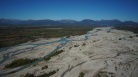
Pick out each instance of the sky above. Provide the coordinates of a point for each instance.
(123, 10)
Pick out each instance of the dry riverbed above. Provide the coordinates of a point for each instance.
(107, 53)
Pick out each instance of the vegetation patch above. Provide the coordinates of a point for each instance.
(83, 44)
(105, 74)
(19, 62)
(11, 72)
(45, 67)
(43, 75)
(29, 75)
(9, 37)
(81, 74)
(47, 74)
(76, 45)
(70, 47)
(54, 54)
(130, 36)
(128, 28)
(120, 39)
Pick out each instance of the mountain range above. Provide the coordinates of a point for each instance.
(67, 22)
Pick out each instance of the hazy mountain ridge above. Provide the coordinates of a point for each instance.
(48, 22)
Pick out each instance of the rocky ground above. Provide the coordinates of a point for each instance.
(106, 53)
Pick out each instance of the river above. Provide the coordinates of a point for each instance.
(63, 41)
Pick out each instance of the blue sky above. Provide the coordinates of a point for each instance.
(69, 9)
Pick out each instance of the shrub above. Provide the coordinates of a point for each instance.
(76, 45)
(120, 38)
(81, 74)
(47, 74)
(29, 75)
(70, 47)
(83, 44)
(45, 67)
(130, 36)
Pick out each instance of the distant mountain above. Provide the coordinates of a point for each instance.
(88, 21)
(9, 21)
(67, 22)
(110, 22)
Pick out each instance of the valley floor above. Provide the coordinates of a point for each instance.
(102, 52)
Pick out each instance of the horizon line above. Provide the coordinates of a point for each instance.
(67, 19)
